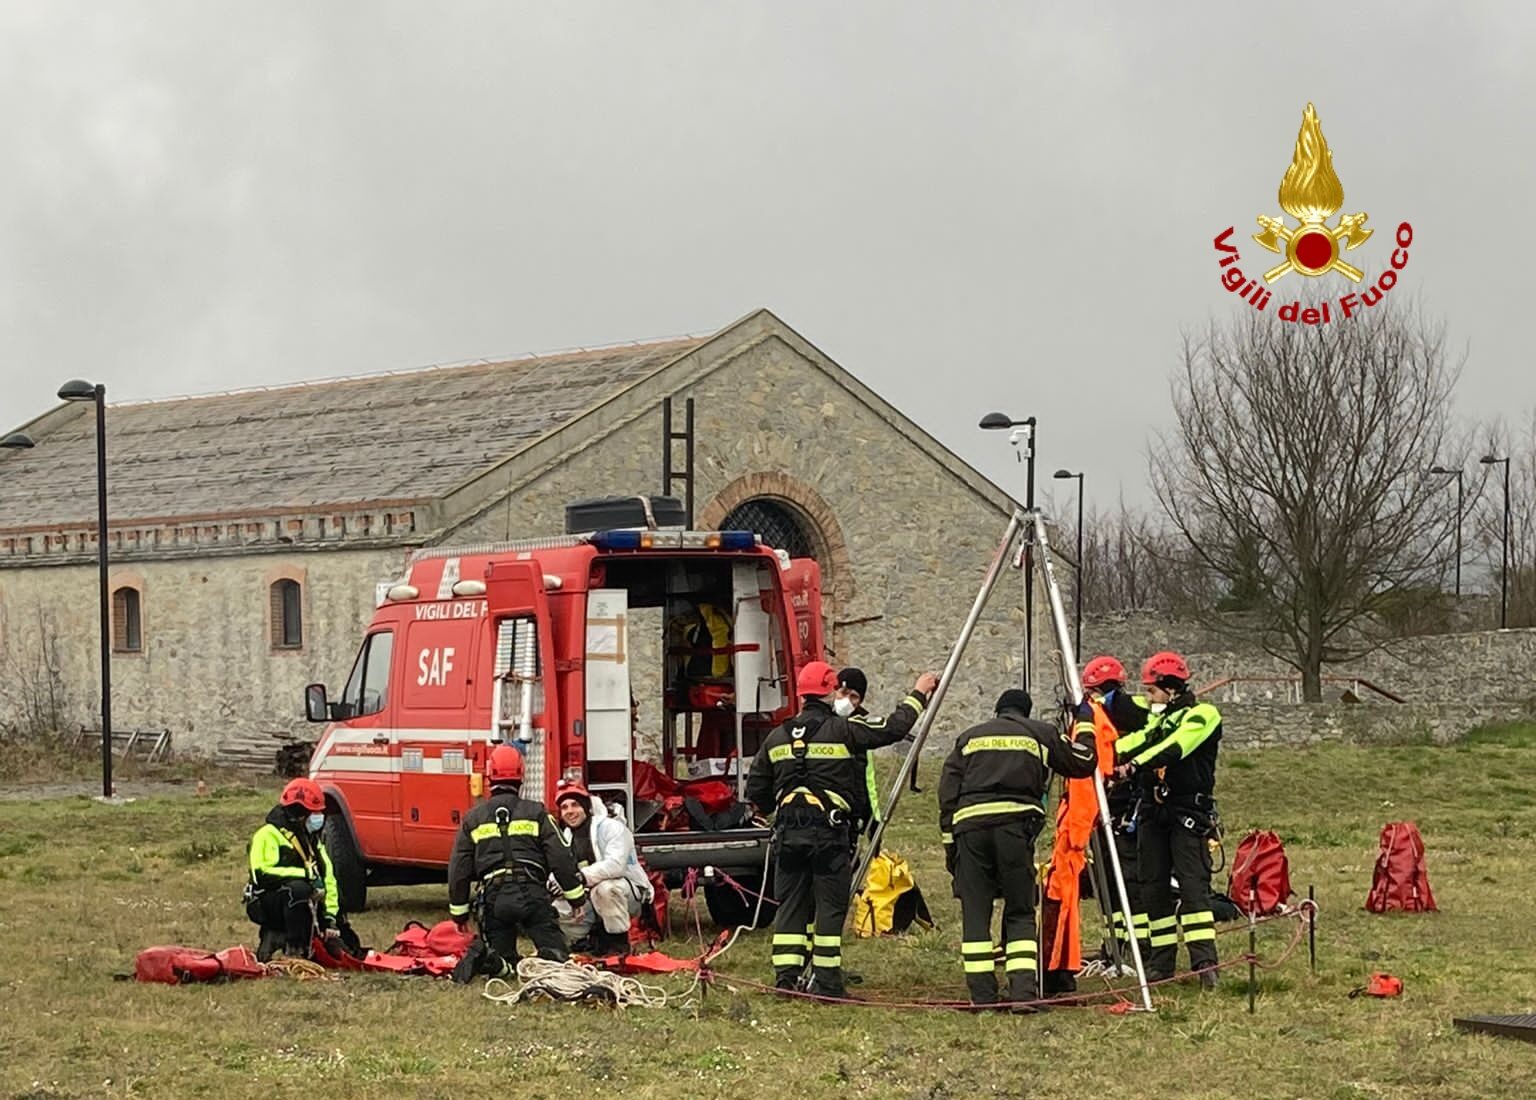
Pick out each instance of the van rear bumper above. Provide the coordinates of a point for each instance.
(732, 851)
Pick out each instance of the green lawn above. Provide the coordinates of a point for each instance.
(84, 886)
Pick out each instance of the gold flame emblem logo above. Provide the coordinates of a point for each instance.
(1311, 193)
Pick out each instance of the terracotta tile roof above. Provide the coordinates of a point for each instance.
(402, 436)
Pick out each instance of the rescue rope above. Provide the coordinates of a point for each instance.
(571, 982)
(302, 969)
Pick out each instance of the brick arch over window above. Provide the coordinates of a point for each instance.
(815, 517)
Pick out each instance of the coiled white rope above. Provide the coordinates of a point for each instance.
(572, 981)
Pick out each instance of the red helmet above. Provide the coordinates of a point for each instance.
(505, 765)
(578, 792)
(306, 793)
(816, 678)
(1103, 670)
(1163, 664)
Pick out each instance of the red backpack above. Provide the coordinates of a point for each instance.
(1260, 866)
(1401, 880)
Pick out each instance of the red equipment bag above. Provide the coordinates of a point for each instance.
(1260, 866)
(184, 965)
(445, 938)
(1401, 880)
(1380, 985)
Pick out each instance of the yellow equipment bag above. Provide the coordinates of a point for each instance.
(890, 901)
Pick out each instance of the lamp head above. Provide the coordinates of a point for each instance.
(77, 389)
(17, 441)
(1489, 460)
(995, 420)
(1064, 475)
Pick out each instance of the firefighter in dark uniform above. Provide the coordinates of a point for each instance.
(991, 808)
(510, 845)
(1132, 716)
(852, 687)
(1175, 771)
(805, 775)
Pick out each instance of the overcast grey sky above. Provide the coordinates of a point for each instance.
(968, 205)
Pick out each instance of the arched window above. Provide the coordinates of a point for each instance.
(287, 615)
(127, 626)
(780, 526)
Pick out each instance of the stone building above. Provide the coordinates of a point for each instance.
(249, 531)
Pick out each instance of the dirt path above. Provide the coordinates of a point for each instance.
(126, 788)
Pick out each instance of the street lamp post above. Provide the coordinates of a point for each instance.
(1023, 432)
(1490, 460)
(78, 390)
(1067, 475)
(1445, 472)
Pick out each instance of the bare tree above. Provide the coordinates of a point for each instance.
(1131, 561)
(32, 681)
(1296, 475)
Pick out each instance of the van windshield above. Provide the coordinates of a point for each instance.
(368, 686)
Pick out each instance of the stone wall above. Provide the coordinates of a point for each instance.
(1490, 665)
(207, 668)
(1273, 725)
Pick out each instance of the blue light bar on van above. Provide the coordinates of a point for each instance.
(737, 540)
(620, 540)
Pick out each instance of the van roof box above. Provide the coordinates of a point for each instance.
(607, 513)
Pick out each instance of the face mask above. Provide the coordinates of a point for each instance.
(315, 822)
(842, 707)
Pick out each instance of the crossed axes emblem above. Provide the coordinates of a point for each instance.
(1350, 233)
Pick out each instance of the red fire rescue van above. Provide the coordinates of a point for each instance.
(529, 643)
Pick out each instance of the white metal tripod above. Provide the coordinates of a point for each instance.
(1075, 689)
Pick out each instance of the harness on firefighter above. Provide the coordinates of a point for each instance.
(806, 794)
(512, 869)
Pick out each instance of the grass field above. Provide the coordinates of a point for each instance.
(84, 886)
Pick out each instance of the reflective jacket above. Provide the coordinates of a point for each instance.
(999, 770)
(1177, 751)
(867, 811)
(604, 849)
(810, 760)
(509, 835)
(280, 855)
(1133, 718)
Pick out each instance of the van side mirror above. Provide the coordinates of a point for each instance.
(315, 708)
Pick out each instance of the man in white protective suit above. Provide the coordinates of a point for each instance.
(617, 886)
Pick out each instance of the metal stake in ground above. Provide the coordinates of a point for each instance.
(1253, 943)
(1075, 692)
(1312, 928)
(925, 722)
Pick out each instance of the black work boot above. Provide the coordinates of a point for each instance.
(1023, 991)
(271, 943)
(473, 962)
(1208, 978)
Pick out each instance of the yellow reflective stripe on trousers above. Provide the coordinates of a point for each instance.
(982, 809)
(490, 831)
(976, 955)
(826, 951)
(814, 750)
(1198, 927)
(458, 910)
(1003, 743)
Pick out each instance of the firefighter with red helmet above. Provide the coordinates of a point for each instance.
(1174, 765)
(1104, 684)
(806, 775)
(291, 893)
(510, 845)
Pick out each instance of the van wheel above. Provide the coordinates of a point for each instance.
(728, 909)
(346, 864)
